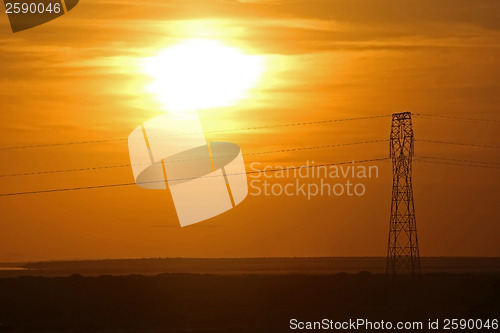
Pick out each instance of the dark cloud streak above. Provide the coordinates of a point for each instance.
(481, 13)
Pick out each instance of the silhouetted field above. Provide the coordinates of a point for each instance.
(325, 265)
(180, 302)
(234, 303)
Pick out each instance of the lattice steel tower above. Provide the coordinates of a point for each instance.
(402, 253)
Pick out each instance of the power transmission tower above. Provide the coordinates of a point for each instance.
(402, 253)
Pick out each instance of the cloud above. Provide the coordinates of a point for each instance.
(482, 13)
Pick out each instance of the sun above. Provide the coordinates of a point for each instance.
(199, 74)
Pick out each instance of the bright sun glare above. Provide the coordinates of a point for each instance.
(199, 74)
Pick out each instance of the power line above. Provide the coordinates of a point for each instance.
(418, 159)
(319, 122)
(190, 178)
(455, 159)
(47, 145)
(185, 160)
(429, 115)
(249, 154)
(459, 143)
(64, 171)
(459, 164)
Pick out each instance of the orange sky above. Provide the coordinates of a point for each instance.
(76, 79)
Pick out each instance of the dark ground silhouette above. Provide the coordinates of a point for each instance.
(323, 265)
(237, 303)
